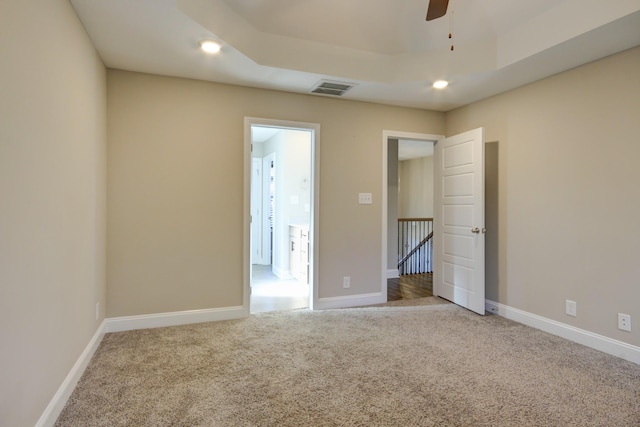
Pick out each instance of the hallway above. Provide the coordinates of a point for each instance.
(269, 293)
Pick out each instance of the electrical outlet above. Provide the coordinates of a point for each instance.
(97, 310)
(571, 308)
(346, 282)
(624, 322)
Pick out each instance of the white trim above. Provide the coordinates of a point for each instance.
(159, 320)
(351, 301)
(386, 134)
(599, 342)
(393, 273)
(56, 405)
(128, 323)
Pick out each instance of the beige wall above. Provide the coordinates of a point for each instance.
(416, 188)
(567, 194)
(491, 220)
(175, 201)
(392, 205)
(52, 201)
(569, 201)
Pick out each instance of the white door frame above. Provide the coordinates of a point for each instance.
(315, 205)
(386, 134)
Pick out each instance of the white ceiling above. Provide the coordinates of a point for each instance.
(385, 47)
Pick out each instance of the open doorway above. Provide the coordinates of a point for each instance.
(413, 228)
(282, 200)
(459, 210)
(408, 214)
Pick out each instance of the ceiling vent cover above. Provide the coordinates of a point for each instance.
(325, 87)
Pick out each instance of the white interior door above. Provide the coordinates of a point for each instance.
(458, 220)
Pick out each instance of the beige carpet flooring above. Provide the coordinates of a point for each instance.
(410, 363)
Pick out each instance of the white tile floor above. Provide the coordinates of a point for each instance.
(269, 293)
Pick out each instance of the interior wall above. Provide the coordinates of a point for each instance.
(416, 188)
(274, 145)
(175, 188)
(491, 221)
(52, 201)
(568, 197)
(392, 205)
(293, 200)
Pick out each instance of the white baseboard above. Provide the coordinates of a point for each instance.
(159, 320)
(118, 324)
(599, 342)
(56, 405)
(393, 273)
(350, 301)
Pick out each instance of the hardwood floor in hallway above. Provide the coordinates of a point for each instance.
(410, 286)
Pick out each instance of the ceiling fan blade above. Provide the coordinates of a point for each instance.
(437, 8)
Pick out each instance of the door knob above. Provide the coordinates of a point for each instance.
(475, 230)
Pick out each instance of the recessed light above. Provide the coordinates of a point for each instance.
(440, 84)
(210, 46)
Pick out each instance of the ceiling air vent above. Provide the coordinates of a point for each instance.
(331, 88)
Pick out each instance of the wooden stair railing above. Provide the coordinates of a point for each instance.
(415, 245)
(416, 249)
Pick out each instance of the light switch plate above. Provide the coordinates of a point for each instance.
(365, 198)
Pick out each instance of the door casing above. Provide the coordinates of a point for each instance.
(386, 135)
(314, 128)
